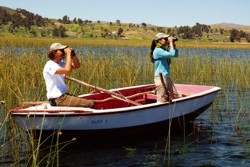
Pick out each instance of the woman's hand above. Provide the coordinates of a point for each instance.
(171, 42)
(170, 39)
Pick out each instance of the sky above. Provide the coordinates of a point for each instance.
(156, 12)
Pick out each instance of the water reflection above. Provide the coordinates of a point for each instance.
(209, 147)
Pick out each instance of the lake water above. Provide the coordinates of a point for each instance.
(221, 137)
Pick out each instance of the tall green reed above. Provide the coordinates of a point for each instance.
(229, 73)
(22, 80)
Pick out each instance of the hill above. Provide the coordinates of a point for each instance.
(21, 23)
(229, 26)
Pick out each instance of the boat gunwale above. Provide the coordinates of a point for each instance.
(90, 112)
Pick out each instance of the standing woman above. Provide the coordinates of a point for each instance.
(160, 56)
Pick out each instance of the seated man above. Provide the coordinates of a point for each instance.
(54, 72)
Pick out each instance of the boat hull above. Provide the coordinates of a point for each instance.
(174, 126)
(147, 119)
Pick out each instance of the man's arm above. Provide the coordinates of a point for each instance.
(71, 63)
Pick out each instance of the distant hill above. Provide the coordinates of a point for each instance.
(11, 11)
(21, 23)
(228, 26)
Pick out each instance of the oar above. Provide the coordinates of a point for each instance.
(28, 103)
(115, 95)
(165, 88)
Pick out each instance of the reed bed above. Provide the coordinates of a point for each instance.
(44, 42)
(22, 80)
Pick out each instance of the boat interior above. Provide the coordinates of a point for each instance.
(140, 95)
(130, 96)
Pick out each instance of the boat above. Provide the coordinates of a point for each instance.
(135, 112)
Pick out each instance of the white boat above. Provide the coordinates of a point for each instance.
(112, 117)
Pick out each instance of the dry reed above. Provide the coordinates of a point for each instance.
(22, 80)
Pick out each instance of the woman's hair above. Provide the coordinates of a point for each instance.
(51, 54)
(152, 48)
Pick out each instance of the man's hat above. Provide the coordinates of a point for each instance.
(57, 46)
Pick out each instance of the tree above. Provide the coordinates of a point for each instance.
(221, 31)
(248, 37)
(59, 32)
(237, 35)
(74, 21)
(144, 25)
(160, 29)
(169, 30)
(80, 21)
(5, 17)
(62, 31)
(65, 20)
(185, 32)
(120, 31)
(55, 32)
(118, 22)
(105, 33)
(199, 29)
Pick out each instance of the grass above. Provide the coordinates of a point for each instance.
(22, 80)
(45, 42)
